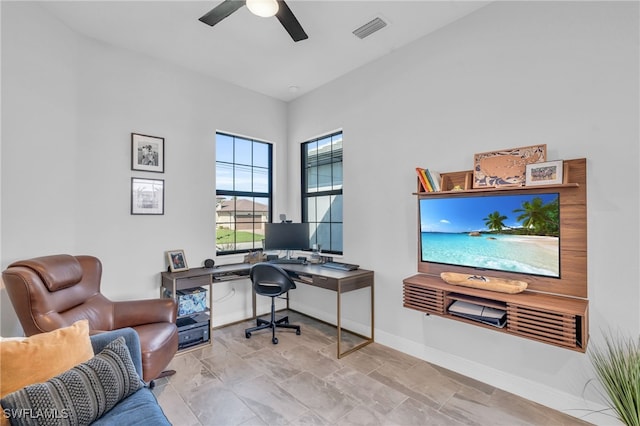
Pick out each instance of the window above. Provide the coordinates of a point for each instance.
(322, 191)
(243, 193)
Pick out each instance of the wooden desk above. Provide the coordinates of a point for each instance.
(340, 282)
(313, 275)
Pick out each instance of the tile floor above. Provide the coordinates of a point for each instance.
(299, 381)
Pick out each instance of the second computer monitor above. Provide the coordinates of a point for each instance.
(286, 236)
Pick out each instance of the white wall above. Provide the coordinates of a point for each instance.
(69, 106)
(511, 74)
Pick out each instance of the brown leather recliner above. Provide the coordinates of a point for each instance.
(51, 292)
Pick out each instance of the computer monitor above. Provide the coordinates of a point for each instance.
(286, 236)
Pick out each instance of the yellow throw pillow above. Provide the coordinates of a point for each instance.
(43, 356)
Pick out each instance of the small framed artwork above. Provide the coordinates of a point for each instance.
(147, 196)
(147, 153)
(549, 173)
(177, 260)
(506, 167)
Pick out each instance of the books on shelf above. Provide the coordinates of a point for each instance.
(429, 180)
(437, 179)
(422, 176)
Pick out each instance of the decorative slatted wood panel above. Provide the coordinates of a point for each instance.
(551, 327)
(550, 319)
(423, 299)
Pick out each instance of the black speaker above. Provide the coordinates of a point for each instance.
(209, 263)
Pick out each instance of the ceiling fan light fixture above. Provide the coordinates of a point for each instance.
(263, 8)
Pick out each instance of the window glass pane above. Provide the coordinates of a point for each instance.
(262, 211)
(336, 237)
(313, 233)
(337, 175)
(336, 208)
(323, 236)
(323, 206)
(260, 154)
(324, 177)
(311, 210)
(243, 151)
(324, 148)
(312, 179)
(242, 178)
(224, 211)
(224, 176)
(224, 148)
(260, 179)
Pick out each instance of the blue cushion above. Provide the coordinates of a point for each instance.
(141, 408)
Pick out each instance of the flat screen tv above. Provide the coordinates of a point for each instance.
(513, 233)
(286, 236)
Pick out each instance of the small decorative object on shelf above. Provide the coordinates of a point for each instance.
(549, 173)
(254, 257)
(505, 167)
(485, 283)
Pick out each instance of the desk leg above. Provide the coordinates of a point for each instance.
(368, 339)
(338, 297)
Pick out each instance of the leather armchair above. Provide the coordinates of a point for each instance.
(51, 292)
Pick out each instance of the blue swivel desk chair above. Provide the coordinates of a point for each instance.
(271, 280)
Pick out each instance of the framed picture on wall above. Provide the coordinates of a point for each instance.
(177, 260)
(147, 153)
(549, 173)
(147, 196)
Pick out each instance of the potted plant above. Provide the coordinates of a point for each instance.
(617, 367)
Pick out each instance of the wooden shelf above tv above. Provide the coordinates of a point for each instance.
(551, 310)
(573, 173)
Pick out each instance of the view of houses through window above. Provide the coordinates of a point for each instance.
(243, 193)
(322, 191)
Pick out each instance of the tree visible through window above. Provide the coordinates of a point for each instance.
(322, 191)
(243, 193)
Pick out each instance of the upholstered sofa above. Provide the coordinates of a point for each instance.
(104, 389)
(140, 407)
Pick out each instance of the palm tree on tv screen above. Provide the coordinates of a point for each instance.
(495, 221)
(538, 217)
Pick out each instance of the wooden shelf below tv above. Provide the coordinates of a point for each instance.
(552, 319)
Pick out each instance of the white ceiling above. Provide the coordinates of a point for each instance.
(257, 53)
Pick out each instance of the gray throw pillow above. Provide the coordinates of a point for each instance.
(80, 395)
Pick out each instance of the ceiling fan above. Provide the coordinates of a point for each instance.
(264, 8)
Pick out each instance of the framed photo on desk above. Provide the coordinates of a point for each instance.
(177, 260)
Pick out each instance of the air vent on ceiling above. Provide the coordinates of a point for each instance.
(369, 28)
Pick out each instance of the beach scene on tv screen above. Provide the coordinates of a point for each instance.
(511, 233)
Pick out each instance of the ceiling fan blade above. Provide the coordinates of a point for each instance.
(290, 23)
(221, 11)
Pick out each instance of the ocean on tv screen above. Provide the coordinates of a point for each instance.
(512, 233)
